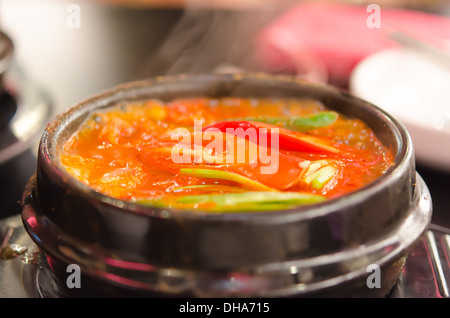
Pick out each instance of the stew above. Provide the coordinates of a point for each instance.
(224, 154)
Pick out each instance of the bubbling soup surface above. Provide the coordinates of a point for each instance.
(224, 154)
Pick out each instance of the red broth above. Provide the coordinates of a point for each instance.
(160, 154)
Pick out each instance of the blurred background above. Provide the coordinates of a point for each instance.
(392, 53)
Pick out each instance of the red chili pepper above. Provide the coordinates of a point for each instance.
(287, 139)
(275, 169)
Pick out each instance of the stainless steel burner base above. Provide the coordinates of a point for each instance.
(426, 273)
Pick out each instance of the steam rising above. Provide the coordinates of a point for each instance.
(208, 40)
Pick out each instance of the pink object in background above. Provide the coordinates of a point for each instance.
(336, 37)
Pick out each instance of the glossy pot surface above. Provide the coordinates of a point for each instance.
(162, 252)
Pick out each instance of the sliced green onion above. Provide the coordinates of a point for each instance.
(228, 176)
(319, 178)
(236, 202)
(319, 120)
(299, 123)
(252, 201)
(209, 187)
(316, 165)
(157, 202)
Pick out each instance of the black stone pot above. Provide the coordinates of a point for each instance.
(329, 249)
(6, 56)
(7, 104)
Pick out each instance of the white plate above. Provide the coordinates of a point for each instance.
(416, 91)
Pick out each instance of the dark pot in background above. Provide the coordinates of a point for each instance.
(7, 108)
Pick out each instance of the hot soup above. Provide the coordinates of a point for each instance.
(224, 154)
